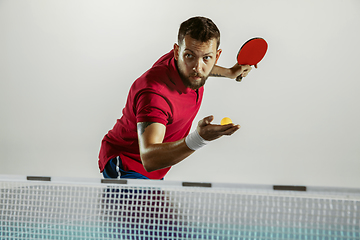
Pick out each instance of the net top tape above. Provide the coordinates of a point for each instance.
(255, 189)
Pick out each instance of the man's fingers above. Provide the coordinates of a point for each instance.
(228, 129)
(246, 70)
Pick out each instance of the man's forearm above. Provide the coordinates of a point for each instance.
(154, 153)
(162, 155)
(220, 72)
(232, 72)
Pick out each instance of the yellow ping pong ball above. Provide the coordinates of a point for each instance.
(225, 121)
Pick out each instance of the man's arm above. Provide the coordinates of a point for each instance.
(153, 152)
(156, 155)
(232, 72)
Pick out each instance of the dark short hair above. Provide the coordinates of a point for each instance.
(199, 28)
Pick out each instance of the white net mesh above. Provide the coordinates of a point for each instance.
(159, 210)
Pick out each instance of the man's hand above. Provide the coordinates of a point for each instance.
(211, 132)
(233, 72)
(240, 70)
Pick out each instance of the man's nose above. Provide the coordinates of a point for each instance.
(198, 65)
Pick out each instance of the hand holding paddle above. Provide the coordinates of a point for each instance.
(251, 53)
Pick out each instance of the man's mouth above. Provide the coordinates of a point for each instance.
(196, 76)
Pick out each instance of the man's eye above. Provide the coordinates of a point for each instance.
(188, 55)
(207, 58)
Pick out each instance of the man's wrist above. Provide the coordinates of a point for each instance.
(194, 141)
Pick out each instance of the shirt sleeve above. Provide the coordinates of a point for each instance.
(152, 107)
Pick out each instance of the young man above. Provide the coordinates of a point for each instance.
(153, 133)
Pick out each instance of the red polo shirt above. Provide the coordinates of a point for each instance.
(159, 95)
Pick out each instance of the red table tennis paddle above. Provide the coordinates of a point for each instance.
(251, 52)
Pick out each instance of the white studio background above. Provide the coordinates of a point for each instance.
(66, 67)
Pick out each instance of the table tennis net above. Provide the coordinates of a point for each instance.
(142, 209)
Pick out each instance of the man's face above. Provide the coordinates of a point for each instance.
(195, 60)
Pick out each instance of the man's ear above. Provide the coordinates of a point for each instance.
(176, 51)
(218, 53)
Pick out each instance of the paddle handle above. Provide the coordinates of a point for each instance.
(239, 78)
